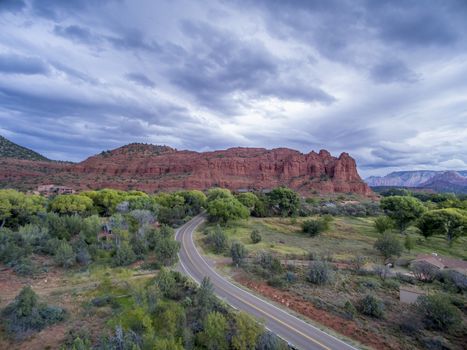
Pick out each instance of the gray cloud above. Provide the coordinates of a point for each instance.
(16, 64)
(382, 80)
(140, 79)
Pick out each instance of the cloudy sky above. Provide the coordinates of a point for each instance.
(385, 81)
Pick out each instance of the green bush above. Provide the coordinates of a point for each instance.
(64, 255)
(383, 224)
(438, 312)
(349, 310)
(218, 240)
(124, 255)
(255, 236)
(320, 273)
(312, 227)
(388, 245)
(371, 306)
(26, 315)
(238, 253)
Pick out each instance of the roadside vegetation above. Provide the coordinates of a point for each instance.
(96, 270)
(342, 261)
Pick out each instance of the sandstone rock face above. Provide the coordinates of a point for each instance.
(155, 168)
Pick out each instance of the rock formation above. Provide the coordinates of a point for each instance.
(157, 168)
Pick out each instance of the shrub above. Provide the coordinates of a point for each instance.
(238, 253)
(438, 312)
(371, 306)
(276, 281)
(269, 262)
(454, 277)
(25, 267)
(382, 271)
(124, 255)
(64, 255)
(218, 240)
(25, 314)
(358, 262)
(255, 236)
(349, 310)
(388, 245)
(319, 273)
(383, 224)
(424, 271)
(312, 227)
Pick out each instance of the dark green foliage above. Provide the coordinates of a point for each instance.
(403, 210)
(238, 253)
(438, 312)
(255, 236)
(371, 306)
(319, 273)
(26, 315)
(165, 280)
(64, 255)
(284, 201)
(205, 299)
(124, 255)
(270, 264)
(269, 341)
(409, 243)
(9, 149)
(218, 240)
(388, 245)
(166, 250)
(451, 223)
(383, 224)
(24, 267)
(314, 227)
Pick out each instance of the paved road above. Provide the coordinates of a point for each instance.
(295, 331)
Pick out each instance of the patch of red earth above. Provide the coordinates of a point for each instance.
(296, 303)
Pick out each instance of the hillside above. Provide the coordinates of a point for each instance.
(161, 168)
(10, 149)
(449, 181)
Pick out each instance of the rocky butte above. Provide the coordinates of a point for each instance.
(156, 168)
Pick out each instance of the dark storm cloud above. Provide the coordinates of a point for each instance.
(16, 64)
(381, 80)
(220, 64)
(140, 79)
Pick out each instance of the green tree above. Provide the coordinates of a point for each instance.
(314, 227)
(106, 200)
(383, 224)
(226, 209)
(247, 332)
(166, 250)
(248, 199)
(167, 344)
(238, 253)
(218, 240)
(64, 255)
(165, 280)
(216, 193)
(17, 208)
(213, 336)
(438, 312)
(409, 243)
(71, 204)
(388, 245)
(451, 223)
(255, 236)
(124, 255)
(284, 201)
(205, 298)
(402, 209)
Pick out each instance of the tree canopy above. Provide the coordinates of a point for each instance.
(403, 210)
(451, 223)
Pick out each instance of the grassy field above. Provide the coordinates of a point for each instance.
(348, 237)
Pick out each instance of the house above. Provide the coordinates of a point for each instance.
(49, 190)
(442, 262)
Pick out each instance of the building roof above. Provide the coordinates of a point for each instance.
(442, 262)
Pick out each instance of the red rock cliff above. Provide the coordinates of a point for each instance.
(153, 168)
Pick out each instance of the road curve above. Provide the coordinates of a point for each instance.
(295, 331)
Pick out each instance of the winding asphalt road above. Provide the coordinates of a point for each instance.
(293, 330)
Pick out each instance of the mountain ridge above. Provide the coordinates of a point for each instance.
(157, 168)
(9, 149)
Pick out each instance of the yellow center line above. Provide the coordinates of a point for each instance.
(260, 310)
